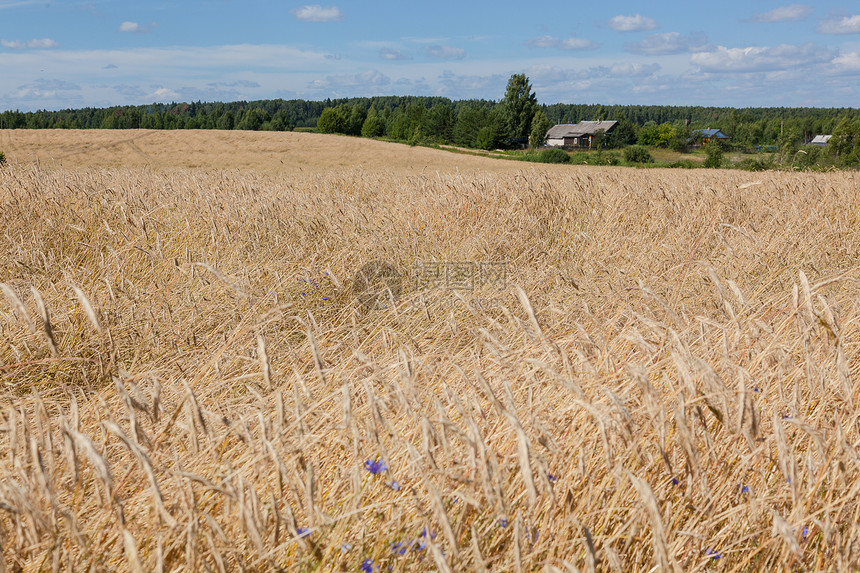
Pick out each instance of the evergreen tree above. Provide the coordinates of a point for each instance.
(355, 120)
(469, 123)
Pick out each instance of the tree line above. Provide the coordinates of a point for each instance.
(481, 124)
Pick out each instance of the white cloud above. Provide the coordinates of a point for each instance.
(17, 3)
(542, 42)
(792, 13)
(849, 62)
(35, 44)
(392, 54)
(43, 89)
(760, 59)
(843, 25)
(317, 13)
(42, 44)
(466, 85)
(163, 95)
(669, 43)
(571, 43)
(445, 52)
(578, 44)
(636, 70)
(632, 23)
(370, 78)
(130, 27)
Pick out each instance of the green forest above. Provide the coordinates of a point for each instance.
(486, 124)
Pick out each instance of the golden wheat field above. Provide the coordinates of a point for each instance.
(572, 368)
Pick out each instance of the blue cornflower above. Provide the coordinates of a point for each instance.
(712, 554)
(745, 489)
(367, 566)
(805, 531)
(419, 545)
(399, 548)
(424, 533)
(503, 522)
(394, 485)
(303, 532)
(551, 478)
(375, 466)
(675, 481)
(344, 547)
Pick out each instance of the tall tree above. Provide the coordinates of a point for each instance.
(519, 106)
(540, 125)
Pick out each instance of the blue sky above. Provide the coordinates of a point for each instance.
(57, 54)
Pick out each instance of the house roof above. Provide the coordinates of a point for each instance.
(563, 130)
(710, 133)
(821, 139)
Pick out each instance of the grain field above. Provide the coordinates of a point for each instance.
(261, 352)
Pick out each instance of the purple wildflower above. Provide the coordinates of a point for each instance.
(375, 466)
(712, 554)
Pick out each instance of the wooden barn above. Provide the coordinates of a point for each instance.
(579, 134)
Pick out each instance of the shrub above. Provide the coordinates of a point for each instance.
(714, 151)
(552, 156)
(637, 154)
(487, 139)
(750, 164)
(2, 159)
(683, 164)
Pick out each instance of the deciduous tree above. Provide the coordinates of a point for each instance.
(519, 106)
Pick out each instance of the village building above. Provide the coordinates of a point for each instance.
(704, 136)
(580, 134)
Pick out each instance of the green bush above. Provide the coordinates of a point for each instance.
(590, 158)
(552, 156)
(637, 154)
(2, 158)
(714, 151)
(683, 164)
(750, 164)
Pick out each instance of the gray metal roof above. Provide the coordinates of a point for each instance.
(580, 129)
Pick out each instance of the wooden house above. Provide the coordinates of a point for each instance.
(580, 134)
(704, 136)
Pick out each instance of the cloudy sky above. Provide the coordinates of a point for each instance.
(58, 54)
